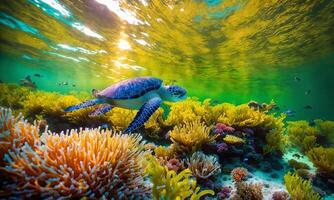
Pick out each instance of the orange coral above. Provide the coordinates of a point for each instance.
(75, 164)
(14, 132)
(239, 174)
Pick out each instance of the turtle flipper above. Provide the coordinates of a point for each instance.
(84, 104)
(144, 114)
(100, 110)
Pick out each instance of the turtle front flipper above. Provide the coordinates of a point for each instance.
(144, 114)
(100, 110)
(84, 104)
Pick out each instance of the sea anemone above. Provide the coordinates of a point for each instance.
(203, 166)
(239, 174)
(15, 132)
(89, 163)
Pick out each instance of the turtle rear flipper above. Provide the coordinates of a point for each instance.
(100, 110)
(144, 114)
(84, 104)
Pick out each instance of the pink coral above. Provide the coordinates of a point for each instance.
(175, 164)
(223, 128)
(281, 195)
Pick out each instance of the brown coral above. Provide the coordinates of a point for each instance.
(89, 163)
(203, 166)
(251, 191)
(239, 174)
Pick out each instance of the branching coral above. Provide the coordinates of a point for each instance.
(248, 191)
(239, 174)
(90, 163)
(299, 188)
(168, 185)
(203, 166)
(191, 136)
(323, 159)
(231, 139)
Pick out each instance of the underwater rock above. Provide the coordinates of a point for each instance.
(298, 165)
(266, 166)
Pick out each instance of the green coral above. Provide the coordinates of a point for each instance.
(300, 189)
(323, 159)
(169, 185)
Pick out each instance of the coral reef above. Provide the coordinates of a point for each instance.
(203, 166)
(251, 191)
(299, 188)
(190, 137)
(224, 193)
(167, 184)
(323, 159)
(239, 174)
(89, 163)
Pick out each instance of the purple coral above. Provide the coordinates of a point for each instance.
(224, 193)
(222, 147)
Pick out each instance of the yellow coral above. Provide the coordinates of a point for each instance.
(90, 163)
(191, 136)
(300, 189)
(169, 186)
(323, 159)
(154, 124)
(164, 152)
(244, 116)
(302, 135)
(120, 118)
(231, 139)
(192, 110)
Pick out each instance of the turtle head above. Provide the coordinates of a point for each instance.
(174, 93)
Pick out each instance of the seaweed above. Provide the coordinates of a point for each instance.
(299, 188)
(323, 159)
(169, 185)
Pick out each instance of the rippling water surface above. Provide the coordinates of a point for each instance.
(228, 50)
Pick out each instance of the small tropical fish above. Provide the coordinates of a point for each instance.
(105, 126)
(297, 79)
(290, 112)
(297, 155)
(215, 102)
(73, 85)
(38, 75)
(27, 82)
(308, 107)
(307, 92)
(65, 83)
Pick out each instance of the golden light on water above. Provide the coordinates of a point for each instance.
(124, 45)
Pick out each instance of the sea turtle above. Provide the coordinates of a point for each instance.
(143, 93)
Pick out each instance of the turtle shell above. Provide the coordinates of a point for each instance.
(131, 88)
